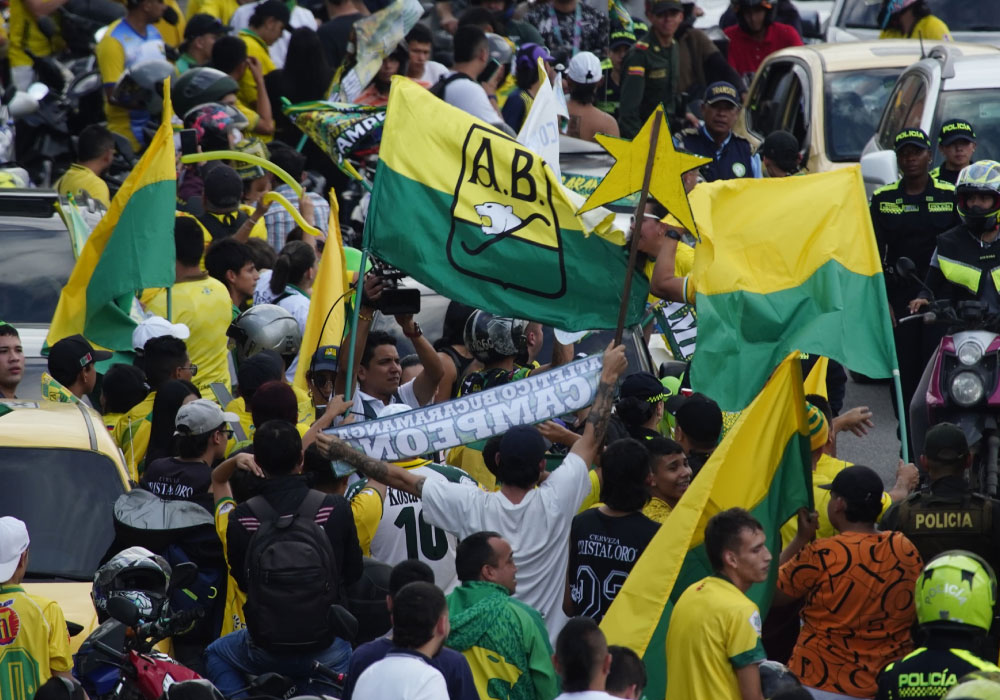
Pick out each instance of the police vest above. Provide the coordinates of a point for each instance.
(937, 523)
(734, 161)
(967, 264)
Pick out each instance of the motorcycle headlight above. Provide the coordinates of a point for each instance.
(967, 388)
(970, 352)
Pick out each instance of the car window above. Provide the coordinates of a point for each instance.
(852, 104)
(36, 262)
(778, 100)
(906, 107)
(980, 15)
(795, 115)
(65, 497)
(982, 108)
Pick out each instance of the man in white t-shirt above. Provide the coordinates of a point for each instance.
(419, 628)
(420, 67)
(460, 88)
(535, 518)
(300, 17)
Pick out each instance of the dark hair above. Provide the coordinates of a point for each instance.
(254, 372)
(580, 648)
(625, 465)
(161, 357)
(270, 9)
(477, 17)
(277, 447)
(862, 512)
(169, 399)
(288, 159)
(453, 331)
(517, 471)
(264, 256)
(93, 142)
(376, 338)
(123, 387)
(473, 553)
(420, 34)
(228, 53)
(657, 208)
(582, 92)
(189, 241)
(626, 669)
(416, 609)
(634, 411)
(411, 360)
(224, 255)
(274, 400)
(525, 75)
(318, 469)
(294, 260)
(306, 73)
(7, 329)
(723, 533)
(408, 571)
(469, 41)
(490, 451)
(662, 447)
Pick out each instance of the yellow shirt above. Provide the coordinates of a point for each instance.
(79, 179)
(683, 264)
(24, 34)
(657, 510)
(206, 308)
(252, 117)
(366, 507)
(34, 642)
(471, 462)
(593, 498)
(258, 49)
(111, 420)
(232, 616)
(131, 433)
(173, 34)
(714, 630)
(223, 9)
(928, 28)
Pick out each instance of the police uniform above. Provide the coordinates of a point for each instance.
(951, 131)
(928, 673)
(945, 174)
(651, 76)
(733, 159)
(965, 268)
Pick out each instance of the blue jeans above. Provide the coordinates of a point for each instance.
(230, 659)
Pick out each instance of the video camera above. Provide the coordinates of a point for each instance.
(395, 299)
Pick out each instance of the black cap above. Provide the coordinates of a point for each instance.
(781, 147)
(698, 416)
(945, 442)
(857, 484)
(522, 444)
(325, 359)
(915, 137)
(722, 91)
(658, 6)
(223, 187)
(956, 130)
(642, 385)
(201, 24)
(68, 356)
(265, 366)
(621, 37)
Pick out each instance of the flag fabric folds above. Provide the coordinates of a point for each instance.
(763, 465)
(801, 273)
(476, 216)
(131, 248)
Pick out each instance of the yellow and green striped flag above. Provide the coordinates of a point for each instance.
(763, 465)
(132, 248)
(786, 264)
(479, 218)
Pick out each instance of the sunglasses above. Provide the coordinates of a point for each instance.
(645, 215)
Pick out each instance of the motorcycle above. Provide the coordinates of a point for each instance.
(962, 379)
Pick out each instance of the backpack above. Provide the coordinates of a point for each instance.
(291, 577)
(438, 88)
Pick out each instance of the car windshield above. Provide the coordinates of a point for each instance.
(853, 102)
(65, 497)
(36, 262)
(982, 108)
(978, 16)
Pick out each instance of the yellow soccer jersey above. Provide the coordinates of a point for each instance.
(131, 433)
(258, 49)
(34, 642)
(714, 630)
(79, 179)
(25, 34)
(232, 617)
(657, 510)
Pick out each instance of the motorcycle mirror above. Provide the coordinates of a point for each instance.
(124, 611)
(906, 268)
(183, 575)
(91, 82)
(38, 91)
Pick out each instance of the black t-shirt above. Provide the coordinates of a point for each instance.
(334, 34)
(175, 480)
(602, 551)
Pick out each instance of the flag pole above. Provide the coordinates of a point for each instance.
(355, 312)
(633, 249)
(903, 437)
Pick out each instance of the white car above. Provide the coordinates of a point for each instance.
(968, 20)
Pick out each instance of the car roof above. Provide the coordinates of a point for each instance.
(973, 72)
(884, 53)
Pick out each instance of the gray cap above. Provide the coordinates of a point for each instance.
(201, 416)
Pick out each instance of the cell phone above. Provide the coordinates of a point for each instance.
(189, 141)
(489, 71)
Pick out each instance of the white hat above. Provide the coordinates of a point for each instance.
(584, 68)
(201, 416)
(154, 327)
(393, 409)
(13, 543)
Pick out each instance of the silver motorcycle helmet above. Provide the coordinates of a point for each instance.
(265, 327)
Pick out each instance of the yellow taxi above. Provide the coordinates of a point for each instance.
(830, 96)
(61, 474)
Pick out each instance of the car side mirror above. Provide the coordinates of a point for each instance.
(906, 268)
(878, 169)
(124, 611)
(812, 28)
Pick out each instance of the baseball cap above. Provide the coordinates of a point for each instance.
(698, 416)
(856, 484)
(71, 354)
(584, 68)
(522, 444)
(201, 416)
(915, 137)
(223, 186)
(255, 147)
(155, 327)
(642, 385)
(325, 359)
(722, 91)
(945, 442)
(201, 24)
(956, 130)
(621, 37)
(528, 55)
(780, 146)
(13, 543)
(658, 6)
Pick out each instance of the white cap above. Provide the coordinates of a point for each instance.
(584, 68)
(154, 327)
(13, 543)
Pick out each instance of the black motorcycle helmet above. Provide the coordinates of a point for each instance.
(198, 86)
(141, 86)
(740, 5)
(492, 338)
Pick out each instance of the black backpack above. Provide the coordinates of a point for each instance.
(437, 89)
(291, 577)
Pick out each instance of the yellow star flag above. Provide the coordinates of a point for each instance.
(625, 176)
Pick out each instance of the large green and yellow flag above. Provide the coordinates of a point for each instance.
(473, 214)
(131, 248)
(763, 465)
(799, 272)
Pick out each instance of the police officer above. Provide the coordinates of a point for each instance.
(609, 93)
(732, 156)
(957, 143)
(955, 596)
(907, 216)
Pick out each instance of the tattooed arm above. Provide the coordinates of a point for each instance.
(388, 474)
(596, 426)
